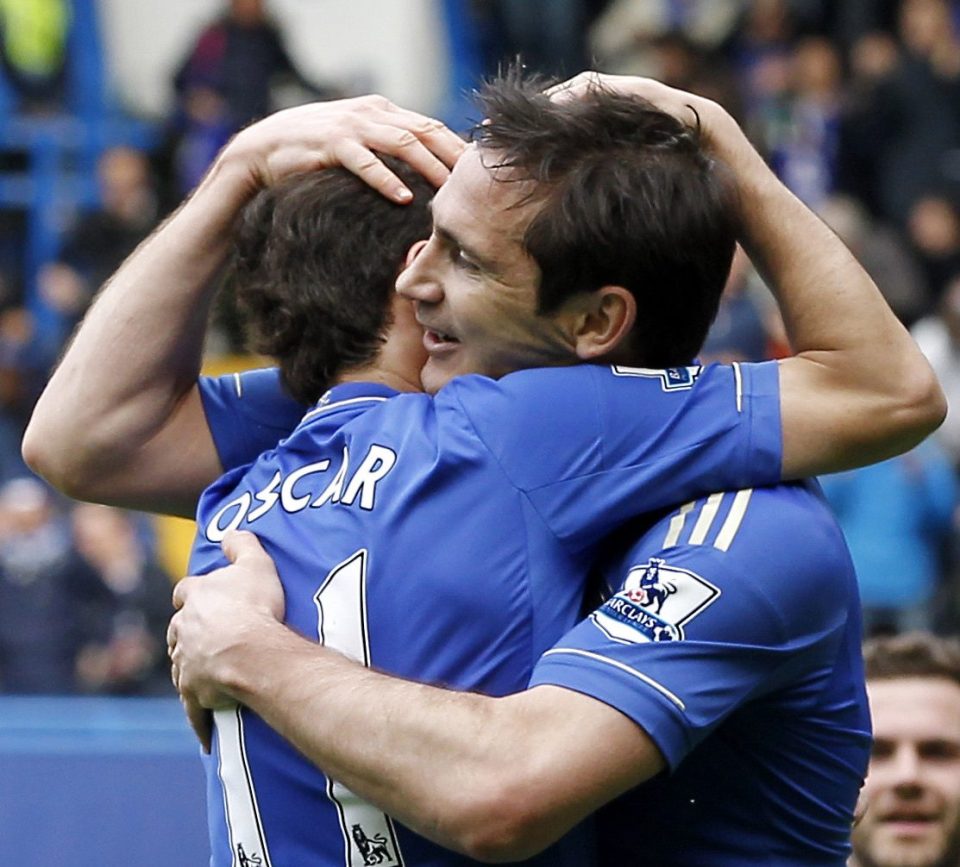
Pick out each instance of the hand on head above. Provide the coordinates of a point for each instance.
(348, 133)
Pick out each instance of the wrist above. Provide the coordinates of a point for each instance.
(252, 666)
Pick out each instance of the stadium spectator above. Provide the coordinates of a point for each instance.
(33, 50)
(44, 583)
(100, 240)
(625, 36)
(912, 792)
(228, 79)
(933, 226)
(738, 332)
(897, 517)
(24, 364)
(873, 59)
(801, 134)
(124, 623)
(883, 254)
(548, 35)
(913, 117)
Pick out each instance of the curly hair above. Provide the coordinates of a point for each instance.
(628, 197)
(314, 263)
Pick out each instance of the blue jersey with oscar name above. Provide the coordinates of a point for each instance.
(446, 540)
(732, 637)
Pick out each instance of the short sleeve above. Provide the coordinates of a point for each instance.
(702, 627)
(247, 413)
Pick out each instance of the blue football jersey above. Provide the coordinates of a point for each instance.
(247, 413)
(446, 540)
(733, 640)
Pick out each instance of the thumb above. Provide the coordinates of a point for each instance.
(239, 545)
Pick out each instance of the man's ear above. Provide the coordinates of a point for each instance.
(603, 321)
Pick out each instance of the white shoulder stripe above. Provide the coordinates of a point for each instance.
(708, 511)
(734, 518)
(238, 384)
(340, 403)
(738, 378)
(676, 524)
(659, 687)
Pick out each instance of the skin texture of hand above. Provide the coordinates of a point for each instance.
(215, 613)
(346, 133)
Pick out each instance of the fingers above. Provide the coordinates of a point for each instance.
(239, 544)
(573, 87)
(428, 147)
(200, 719)
(441, 141)
(180, 592)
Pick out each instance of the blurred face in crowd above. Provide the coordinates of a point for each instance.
(924, 24)
(913, 786)
(247, 13)
(475, 287)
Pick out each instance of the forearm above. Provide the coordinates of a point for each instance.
(497, 779)
(130, 372)
(857, 389)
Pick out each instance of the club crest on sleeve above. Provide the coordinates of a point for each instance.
(671, 378)
(655, 603)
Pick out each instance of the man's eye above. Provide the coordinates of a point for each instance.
(464, 263)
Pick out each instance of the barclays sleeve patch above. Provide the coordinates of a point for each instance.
(655, 603)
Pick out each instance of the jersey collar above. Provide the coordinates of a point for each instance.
(351, 394)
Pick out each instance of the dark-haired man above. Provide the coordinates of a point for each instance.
(912, 792)
(588, 325)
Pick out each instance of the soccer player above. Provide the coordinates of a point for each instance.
(376, 620)
(912, 792)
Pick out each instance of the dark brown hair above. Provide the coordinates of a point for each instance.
(314, 265)
(628, 197)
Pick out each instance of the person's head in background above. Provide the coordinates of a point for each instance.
(912, 791)
(315, 262)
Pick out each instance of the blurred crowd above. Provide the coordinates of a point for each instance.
(855, 103)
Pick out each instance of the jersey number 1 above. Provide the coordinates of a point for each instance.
(369, 836)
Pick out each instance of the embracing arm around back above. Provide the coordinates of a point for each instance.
(121, 419)
(498, 779)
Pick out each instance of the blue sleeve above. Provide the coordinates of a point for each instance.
(247, 413)
(591, 446)
(714, 627)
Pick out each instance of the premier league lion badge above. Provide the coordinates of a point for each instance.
(654, 604)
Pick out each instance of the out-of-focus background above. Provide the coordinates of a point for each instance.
(111, 110)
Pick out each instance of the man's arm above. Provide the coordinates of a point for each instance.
(121, 420)
(858, 389)
(495, 778)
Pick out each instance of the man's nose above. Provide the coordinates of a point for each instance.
(904, 768)
(417, 281)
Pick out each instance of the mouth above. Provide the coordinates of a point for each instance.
(438, 341)
(909, 823)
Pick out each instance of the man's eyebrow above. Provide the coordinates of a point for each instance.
(452, 240)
